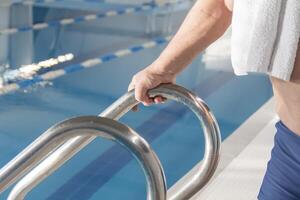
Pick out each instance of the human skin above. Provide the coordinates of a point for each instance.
(287, 97)
(205, 23)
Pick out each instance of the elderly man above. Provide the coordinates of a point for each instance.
(205, 23)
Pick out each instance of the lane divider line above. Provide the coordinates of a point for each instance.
(32, 2)
(87, 18)
(83, 65)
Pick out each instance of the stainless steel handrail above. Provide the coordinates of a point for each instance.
(115, 111)
(96, 126)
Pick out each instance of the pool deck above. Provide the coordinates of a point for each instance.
(244, 158)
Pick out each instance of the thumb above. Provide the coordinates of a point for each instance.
(131, 87)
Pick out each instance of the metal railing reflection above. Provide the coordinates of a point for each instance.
(90, 126)
(55, 159)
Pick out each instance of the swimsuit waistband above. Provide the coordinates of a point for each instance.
(283, 130)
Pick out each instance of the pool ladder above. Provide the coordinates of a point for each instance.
(62, 141)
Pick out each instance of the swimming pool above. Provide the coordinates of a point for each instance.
(103, 170)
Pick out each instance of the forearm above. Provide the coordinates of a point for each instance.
(205, 23)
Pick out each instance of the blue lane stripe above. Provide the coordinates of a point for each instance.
(24, 29)
(137, 9)
(160, 40)
(79, 66)
(80, 19)
(101, 15)
(108, 57)
(73, 68)
(118, 158)
(152, 4)
(120, 12)
(136, 48)
(54, 23)
(45, 1)
(26, 83)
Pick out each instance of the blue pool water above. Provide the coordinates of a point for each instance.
(103, 170)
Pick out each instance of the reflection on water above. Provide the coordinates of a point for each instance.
(29, 71)
(30, 53)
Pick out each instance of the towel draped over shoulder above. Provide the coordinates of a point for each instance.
(265, 36)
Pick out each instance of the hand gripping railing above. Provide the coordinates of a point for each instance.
(11, 173)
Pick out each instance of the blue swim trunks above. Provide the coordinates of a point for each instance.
(282, 178)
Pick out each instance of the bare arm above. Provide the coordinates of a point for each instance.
(206, 22)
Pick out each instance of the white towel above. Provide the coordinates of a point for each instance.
(265, 36)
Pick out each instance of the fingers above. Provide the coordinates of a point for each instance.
(131, 87)
(144, 81)
(142, 96)
(141, 89)
(159, 99)
(135, 109)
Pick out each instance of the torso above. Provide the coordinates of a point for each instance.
(287, 95)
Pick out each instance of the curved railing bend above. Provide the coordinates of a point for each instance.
(96, 126)
(115, 111)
